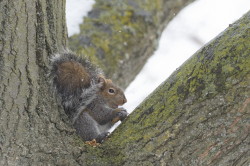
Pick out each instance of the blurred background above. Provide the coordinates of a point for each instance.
(193, 27)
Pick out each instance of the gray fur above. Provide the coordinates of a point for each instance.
(95, 123)
(90, 114)
(87, 96)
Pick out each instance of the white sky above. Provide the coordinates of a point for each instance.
(194, 26)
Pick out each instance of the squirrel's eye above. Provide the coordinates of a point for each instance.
(111, 91)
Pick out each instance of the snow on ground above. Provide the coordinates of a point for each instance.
(75, 11)
(194, 26)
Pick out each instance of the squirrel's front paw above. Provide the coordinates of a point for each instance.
(121, 114)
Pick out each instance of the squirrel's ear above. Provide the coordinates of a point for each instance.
(102, 80)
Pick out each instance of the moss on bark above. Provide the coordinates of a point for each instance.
(198, 116)
(120, 35)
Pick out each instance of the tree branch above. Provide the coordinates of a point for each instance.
(120, 36)
(198, 116)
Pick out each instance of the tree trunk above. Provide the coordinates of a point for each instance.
(198, 116)
(121, 35)
(31, 129)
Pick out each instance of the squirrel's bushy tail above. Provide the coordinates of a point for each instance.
(74, 79)
(71, 73)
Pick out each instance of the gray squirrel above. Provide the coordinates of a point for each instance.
(89, 99)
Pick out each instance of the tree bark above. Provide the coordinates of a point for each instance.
(121, 35)
(198, 116)
(31, 129)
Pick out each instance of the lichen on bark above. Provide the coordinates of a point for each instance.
(199, 115)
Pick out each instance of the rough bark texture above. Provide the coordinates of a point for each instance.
(120, 35)
(198, 116)
(31, 129)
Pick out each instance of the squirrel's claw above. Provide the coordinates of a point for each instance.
(122, 114)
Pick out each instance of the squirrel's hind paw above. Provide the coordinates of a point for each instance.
(102, 137)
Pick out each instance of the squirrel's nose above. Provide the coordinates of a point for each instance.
(124, 100)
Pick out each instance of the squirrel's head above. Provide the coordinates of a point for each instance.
(112, 94)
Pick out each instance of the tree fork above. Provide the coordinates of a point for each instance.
(200, 113)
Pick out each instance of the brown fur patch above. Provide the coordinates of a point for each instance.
(73, 74)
